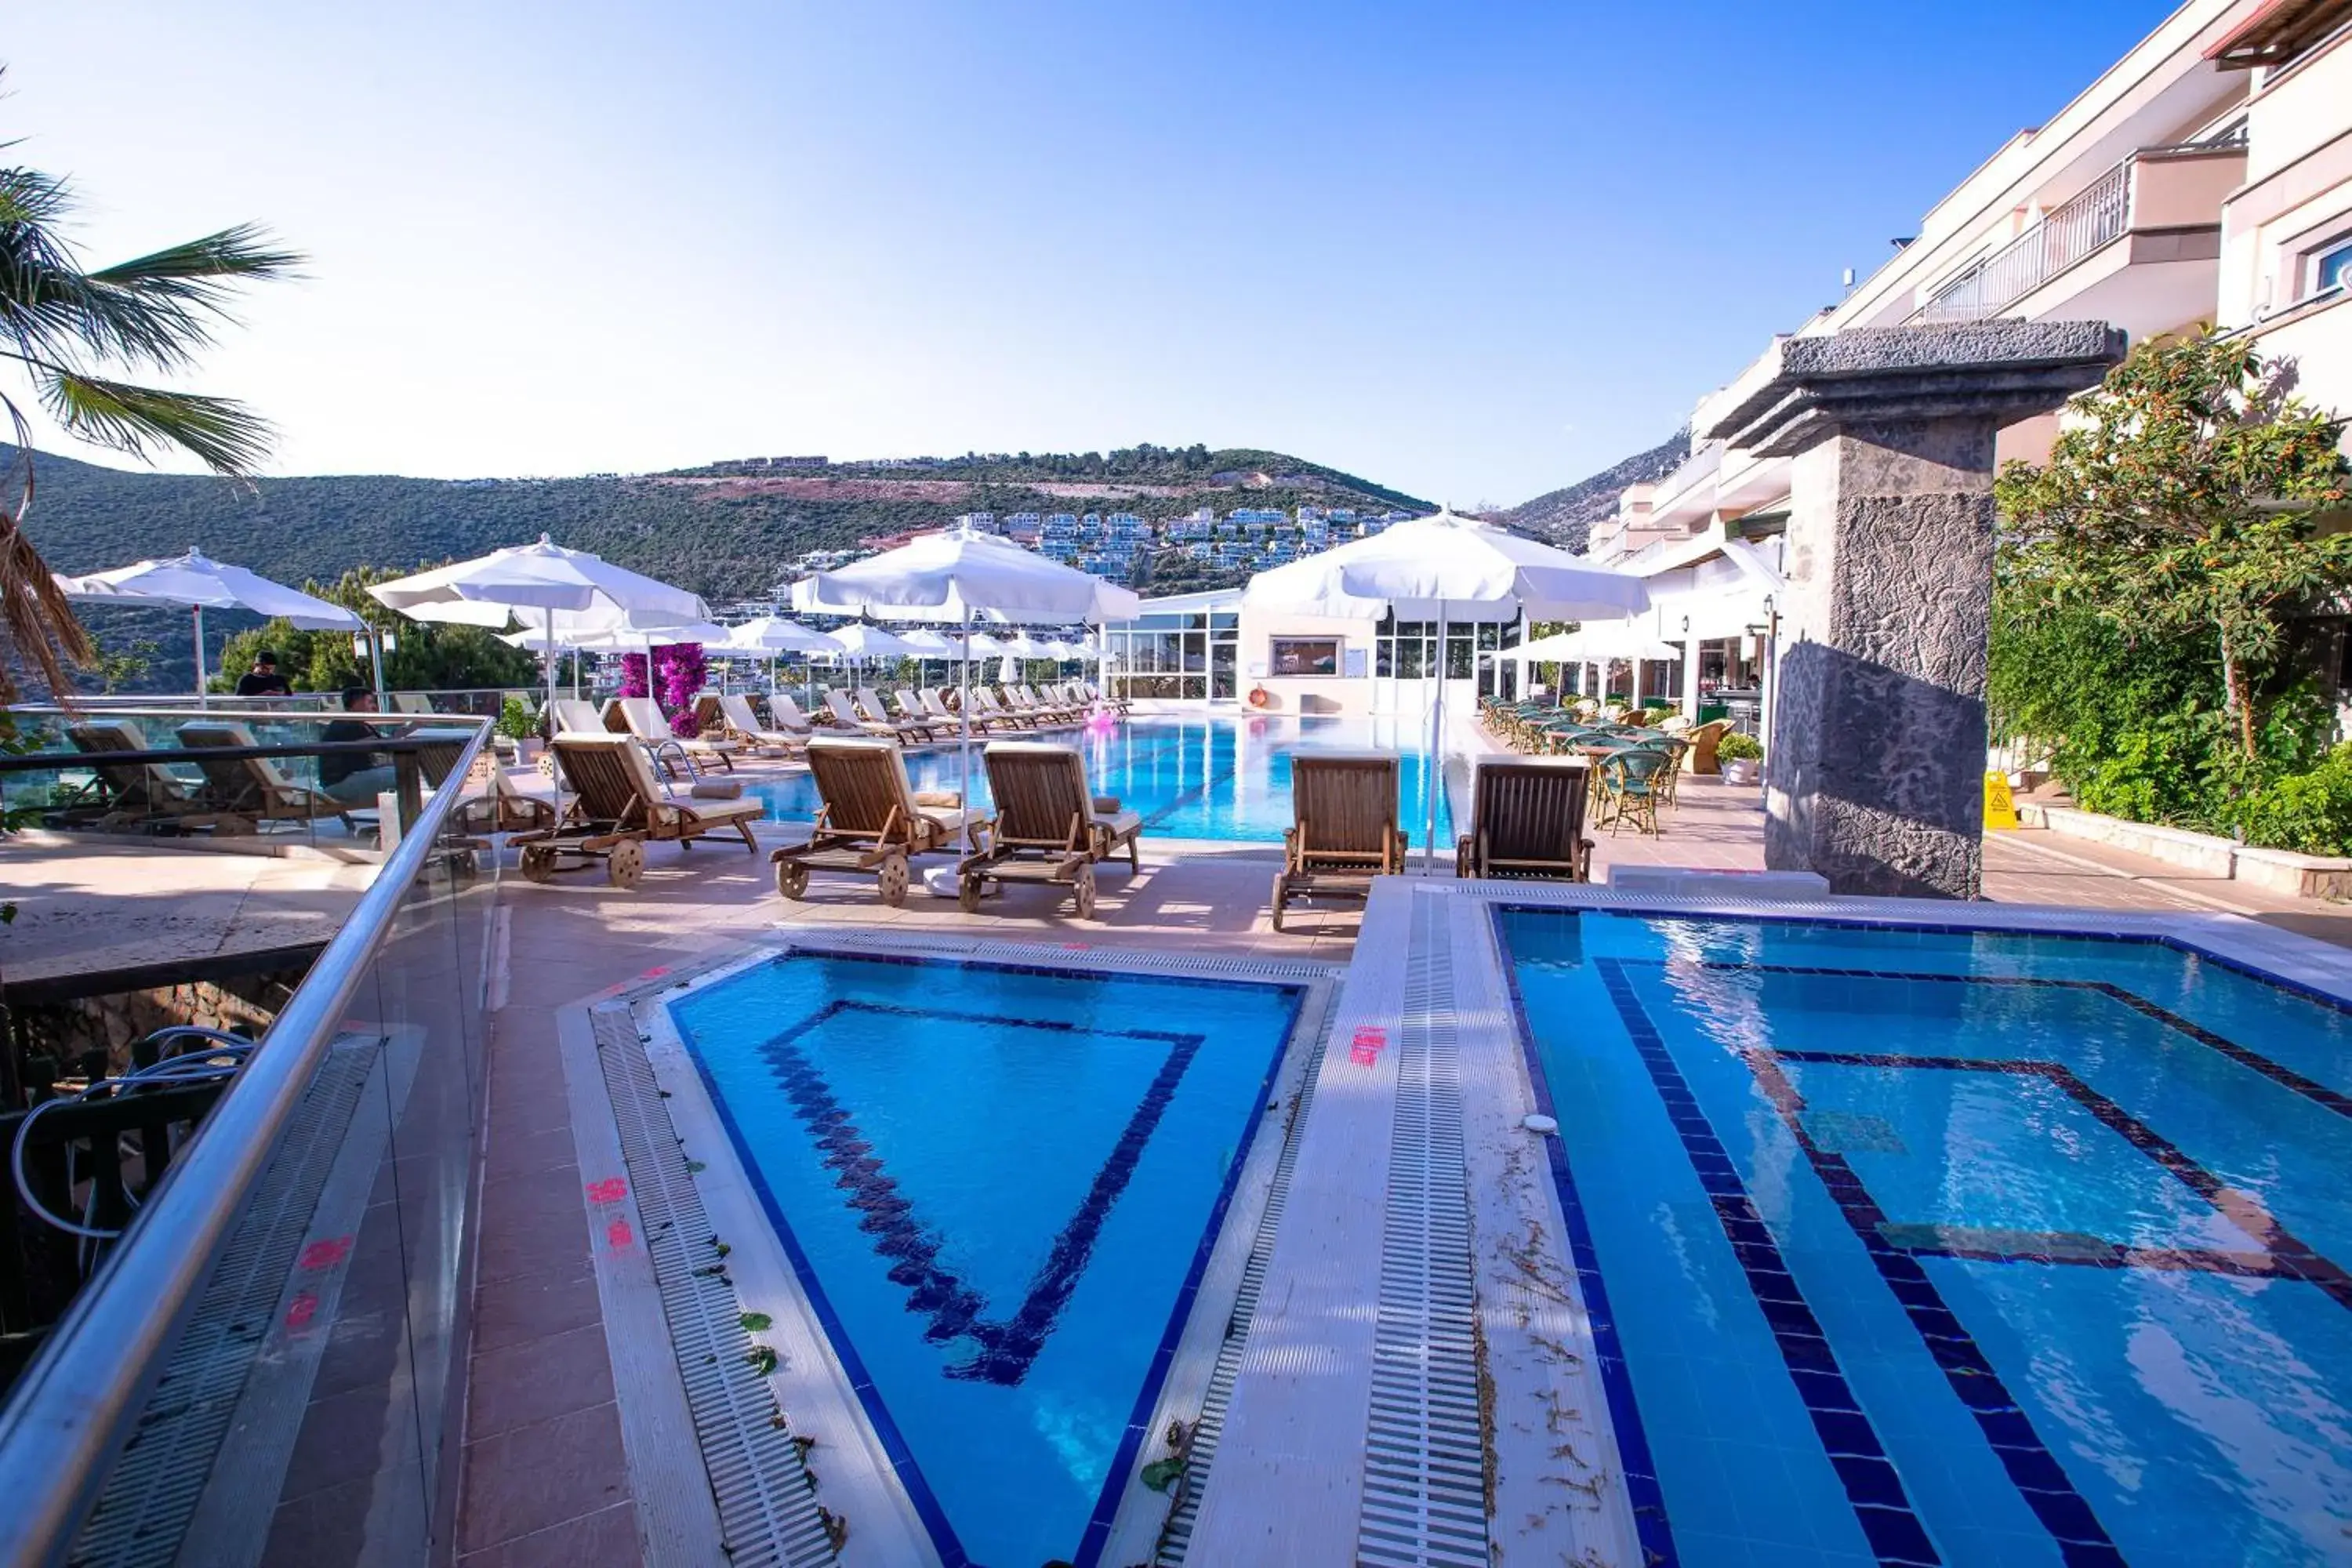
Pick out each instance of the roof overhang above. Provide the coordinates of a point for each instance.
(2278, 32)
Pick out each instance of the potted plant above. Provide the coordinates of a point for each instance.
(516, 724)
(1741, 757)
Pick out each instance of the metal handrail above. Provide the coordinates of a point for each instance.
(2094, 217)
(73, 1406)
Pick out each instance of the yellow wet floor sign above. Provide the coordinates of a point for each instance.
(2001, 810)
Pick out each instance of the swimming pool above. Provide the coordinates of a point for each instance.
(1916, 1247)
(1207, 777)
(999, 1186)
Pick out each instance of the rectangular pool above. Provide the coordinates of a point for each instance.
(999, 1187)
(1914, 1246)
(1209, 778)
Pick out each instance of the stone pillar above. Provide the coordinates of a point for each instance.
(1877, 774)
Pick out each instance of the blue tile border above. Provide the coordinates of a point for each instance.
(920, 1495)
(1653, 1526)
(1874, 1489)
(1008, 1347)
(2284, 1253)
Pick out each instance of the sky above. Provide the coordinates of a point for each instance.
(1475, 251)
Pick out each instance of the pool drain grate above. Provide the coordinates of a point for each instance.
(768, 1511)
(1424, 1457)
(1209, 1425)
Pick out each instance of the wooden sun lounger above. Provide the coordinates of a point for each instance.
(1049, 826)
(618, 807)
(872, 821)
(505, 810)
(651, 728)
(915, 724)
(127, 791)
(248, 791)
(576, 715)
(1527, 820)
(837, 704)
(734, 717)
(785, 714)
(1343, 828)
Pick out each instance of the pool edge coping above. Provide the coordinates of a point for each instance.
(812, 1386)
(2296, 964)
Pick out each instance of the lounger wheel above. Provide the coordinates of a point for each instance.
(968, 893)
(890, 881)
(626, 864)
(791, 879)
(1082, 887)
(1279, 897)
(538, 864)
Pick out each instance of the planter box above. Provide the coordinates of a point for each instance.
(2281, 871)
(2296, 876)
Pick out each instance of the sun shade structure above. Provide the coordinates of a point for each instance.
(201, 582)
(964, 575)
(1602, 639)
(1431, 568)
(774, 634)
(862, 641)
(536, 584)
(615, 636)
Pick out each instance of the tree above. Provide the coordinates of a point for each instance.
(425, 655)
(70, 333)
(2184, 495)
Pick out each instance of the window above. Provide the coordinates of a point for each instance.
(2331, 266)
(1306, 655)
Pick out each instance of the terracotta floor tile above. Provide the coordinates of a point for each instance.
(533, 1476)
(606, 1539)
(517, 1384)
(513, 1309)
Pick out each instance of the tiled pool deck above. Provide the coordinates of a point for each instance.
(547, 1475)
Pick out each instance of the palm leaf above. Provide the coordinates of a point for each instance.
(220, 432)
(36, 621)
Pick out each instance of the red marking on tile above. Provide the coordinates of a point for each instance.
(1369, 1041)
(611, 1190)
(618, 1235)
(657, 972)
(301, 1310)
(324, 1254)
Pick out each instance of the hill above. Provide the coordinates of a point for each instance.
(728, 531)
(1565, 516)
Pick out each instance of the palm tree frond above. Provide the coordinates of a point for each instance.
(220, 432)
(37, 620)
(239, 253)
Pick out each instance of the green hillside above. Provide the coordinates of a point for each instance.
(725, 537)
(726, 531)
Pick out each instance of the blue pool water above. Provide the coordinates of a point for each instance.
(999, 1187)
(1210, 777)
(1910, 1246)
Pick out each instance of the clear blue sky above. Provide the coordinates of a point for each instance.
(1476, 251)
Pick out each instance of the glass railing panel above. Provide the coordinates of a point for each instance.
(266, 1371)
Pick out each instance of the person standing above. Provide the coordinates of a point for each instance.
(263, 679)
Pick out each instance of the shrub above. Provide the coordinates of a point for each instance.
(1735, 747)
(2310, 813)
(515, 721)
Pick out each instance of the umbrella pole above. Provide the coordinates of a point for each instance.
(199, 610)
(1431, 763)
(375, 659)
(964, 724)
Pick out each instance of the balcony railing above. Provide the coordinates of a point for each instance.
(2097, 215)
